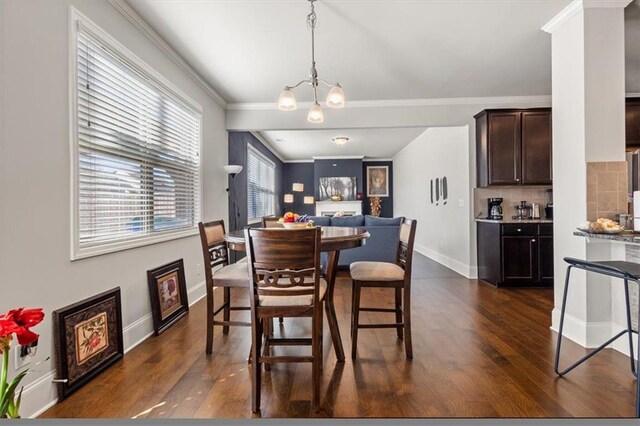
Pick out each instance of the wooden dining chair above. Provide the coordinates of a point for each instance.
(386, 275)
(271, 222)
(219, 273)
(286, 281)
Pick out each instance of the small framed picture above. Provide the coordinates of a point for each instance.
(168, 291)
(88, 339)
(377, 181)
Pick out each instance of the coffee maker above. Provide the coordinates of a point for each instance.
(494, 209)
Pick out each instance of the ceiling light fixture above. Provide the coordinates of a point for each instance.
(335, 98)
(340, 140)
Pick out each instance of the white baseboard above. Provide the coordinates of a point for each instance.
(592, 334)
(39, 396)
(464, 269)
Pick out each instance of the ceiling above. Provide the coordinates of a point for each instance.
(375, 143)
(247, 50)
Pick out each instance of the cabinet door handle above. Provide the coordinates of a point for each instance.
(533, 241)
(519, 230)
(517, 179)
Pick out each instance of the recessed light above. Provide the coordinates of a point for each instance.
(340, 140)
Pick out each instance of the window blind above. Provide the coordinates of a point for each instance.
(260, 185)
(137, 153)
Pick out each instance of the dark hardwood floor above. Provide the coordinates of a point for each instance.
(478, 352)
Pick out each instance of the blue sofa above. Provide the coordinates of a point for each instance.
(381, 246)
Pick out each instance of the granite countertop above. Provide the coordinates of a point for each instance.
(624, 237)
(509, 220)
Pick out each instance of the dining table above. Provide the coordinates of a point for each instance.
(333, 240)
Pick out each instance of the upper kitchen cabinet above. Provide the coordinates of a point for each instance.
(632, 121)
(513, 146)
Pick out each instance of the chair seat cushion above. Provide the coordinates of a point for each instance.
(301, 300)
(236, 274)
(376, 271)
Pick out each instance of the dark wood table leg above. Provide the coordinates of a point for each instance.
(332, 269)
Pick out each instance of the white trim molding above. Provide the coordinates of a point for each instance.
(466, 270)
(151, 34)
(577, 6)
(41, 395)
(508, 100)
(338, 157)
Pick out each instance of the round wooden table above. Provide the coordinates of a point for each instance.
(334, 239)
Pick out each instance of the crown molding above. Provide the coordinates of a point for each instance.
(338, 157)
(297, 161)
(151, 34)
(577, 6)
(405, 102)
(267, 145)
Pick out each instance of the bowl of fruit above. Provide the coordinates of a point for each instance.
(292, 220)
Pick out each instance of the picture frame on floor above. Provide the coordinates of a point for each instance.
(87, 339)
(168, 292)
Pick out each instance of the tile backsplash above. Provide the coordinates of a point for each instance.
(512, 196)
(606, 189)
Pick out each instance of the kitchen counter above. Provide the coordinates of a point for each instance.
(508, 220)
(624, 237)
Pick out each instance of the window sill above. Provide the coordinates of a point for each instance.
(83, 253)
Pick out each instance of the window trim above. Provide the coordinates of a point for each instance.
(78, 20)
(254, 220)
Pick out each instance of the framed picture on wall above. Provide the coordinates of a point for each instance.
(168, 291)
(88, 339)
(377, 181)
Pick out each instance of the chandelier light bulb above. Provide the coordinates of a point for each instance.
(335, 98)
(315, 116)
(287, 100)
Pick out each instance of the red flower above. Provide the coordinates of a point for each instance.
(19, 321)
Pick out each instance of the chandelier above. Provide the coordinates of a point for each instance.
(335, 98)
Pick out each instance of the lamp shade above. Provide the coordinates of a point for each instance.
(308, 199)
(287, 100)
(335, 98)
(298, 187)
(233, 169)
(288, 198)
(315, 116)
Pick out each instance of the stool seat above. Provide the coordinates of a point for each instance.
(617, 268)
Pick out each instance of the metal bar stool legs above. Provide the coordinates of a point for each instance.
(628, 330)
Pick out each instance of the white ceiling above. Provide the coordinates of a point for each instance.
(374, 143)
(247, 50)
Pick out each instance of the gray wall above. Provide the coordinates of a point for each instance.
(35, 181)
(299, 173)
(238, 142)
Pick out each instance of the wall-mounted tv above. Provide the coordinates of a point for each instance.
(343, 187)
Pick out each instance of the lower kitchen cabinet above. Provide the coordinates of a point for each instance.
(515, 254)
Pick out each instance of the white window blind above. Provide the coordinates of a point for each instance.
(137, 174)
(260, 185)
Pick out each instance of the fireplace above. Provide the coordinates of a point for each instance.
(329, 208)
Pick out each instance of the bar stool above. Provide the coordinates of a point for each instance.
(627, 271)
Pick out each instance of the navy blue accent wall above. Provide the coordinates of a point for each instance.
(299, 173)
(387, 202)
(238, 142)
(338, 168)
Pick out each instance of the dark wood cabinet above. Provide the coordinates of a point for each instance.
(632, 122)
(515, 254)
(513, 147)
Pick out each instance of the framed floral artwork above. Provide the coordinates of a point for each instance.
(88, 339)
(168, 291)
